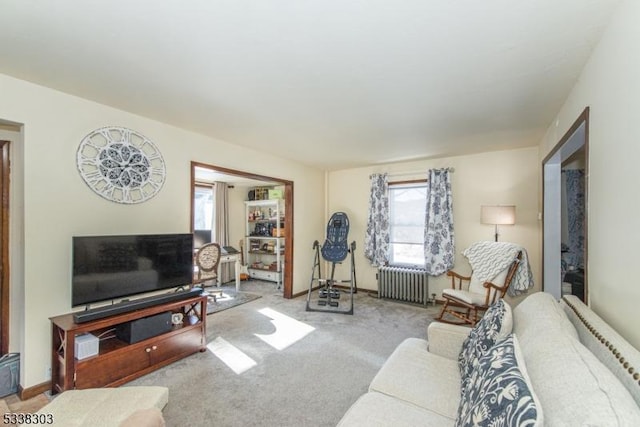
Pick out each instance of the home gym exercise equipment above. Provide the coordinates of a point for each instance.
(334, 250)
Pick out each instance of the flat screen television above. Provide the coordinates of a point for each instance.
(111, 267)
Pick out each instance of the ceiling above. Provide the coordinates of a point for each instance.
(334, 83)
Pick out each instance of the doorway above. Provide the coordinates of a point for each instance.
(4, 248)
(235, 177)
(565, 194)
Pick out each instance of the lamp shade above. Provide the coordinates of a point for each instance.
(498, 214)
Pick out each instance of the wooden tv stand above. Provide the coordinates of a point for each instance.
(117, 361)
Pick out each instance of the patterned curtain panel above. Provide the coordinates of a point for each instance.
(574, 180)
(376, 240)
(438, 231)
(221, 225)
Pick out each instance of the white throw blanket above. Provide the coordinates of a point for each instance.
(488, 259)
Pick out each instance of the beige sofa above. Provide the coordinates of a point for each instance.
(107, 407)
(580, 370)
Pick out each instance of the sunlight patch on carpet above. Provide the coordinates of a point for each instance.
(231, 355)
(229, 298)
(288, 329)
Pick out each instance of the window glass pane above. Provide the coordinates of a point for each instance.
(407, 254)
(203, 208)
(407, 234)
(407, 204)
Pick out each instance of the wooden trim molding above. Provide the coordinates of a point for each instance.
(411, 181)
(288, 214)
(4, 248)
(30, 392)
(583, 118)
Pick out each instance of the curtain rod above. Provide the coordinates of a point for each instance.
(421, 172)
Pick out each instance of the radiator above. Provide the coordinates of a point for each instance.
(403, 284)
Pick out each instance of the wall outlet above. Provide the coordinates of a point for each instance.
(47, 373)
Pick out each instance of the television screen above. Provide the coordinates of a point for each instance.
(111, 267)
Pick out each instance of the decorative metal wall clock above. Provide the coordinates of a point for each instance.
(121, 165)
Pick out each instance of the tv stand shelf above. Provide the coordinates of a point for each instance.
(117, 361)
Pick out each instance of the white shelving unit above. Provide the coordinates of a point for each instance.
(265, 239)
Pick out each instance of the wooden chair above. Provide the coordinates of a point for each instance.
(468, 305)
(207, 260)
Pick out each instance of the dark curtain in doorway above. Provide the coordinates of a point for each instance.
(575, 188)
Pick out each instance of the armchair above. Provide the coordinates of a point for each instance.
(207, 260)
(468, 303)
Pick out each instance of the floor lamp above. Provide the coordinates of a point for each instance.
(498, 215)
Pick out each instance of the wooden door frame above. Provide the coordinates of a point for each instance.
(4, 248)
(288, 214)
(582, 120)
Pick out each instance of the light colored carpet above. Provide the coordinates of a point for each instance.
(12, 404)
(229, 298)
(4, 408)
(311, 382)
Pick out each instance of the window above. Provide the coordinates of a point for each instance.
(202, 208)
(407, 206)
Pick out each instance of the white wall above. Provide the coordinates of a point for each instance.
(58, 204)
(610, 86)
(502, 177)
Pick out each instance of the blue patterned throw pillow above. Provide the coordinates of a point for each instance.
(499, 392)
(496, 324)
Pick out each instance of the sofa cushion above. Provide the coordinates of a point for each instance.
(445, 339)
(495, 325)
(540, 312)
(573, 386)
(498, 391)
(415, 375)
(377, 409)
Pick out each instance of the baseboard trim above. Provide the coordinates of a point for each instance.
(28, 393)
